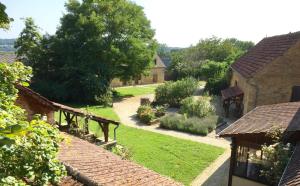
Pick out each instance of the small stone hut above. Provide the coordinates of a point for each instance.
(156, 75)
(268, 73)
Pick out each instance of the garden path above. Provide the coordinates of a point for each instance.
(126, 110)
(216, 174)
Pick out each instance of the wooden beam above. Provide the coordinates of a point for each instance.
(232, 160)
(59, 122)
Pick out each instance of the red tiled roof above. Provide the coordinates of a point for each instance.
(266, 51)
(261, 119)
(69, 181)
(7, 57)
(231, 92)
(92, 165)
(291, 175)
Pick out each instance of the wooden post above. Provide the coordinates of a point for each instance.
(59, 122)
(232, 160)
(105, 131)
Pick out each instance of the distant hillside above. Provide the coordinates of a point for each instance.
(7, 45)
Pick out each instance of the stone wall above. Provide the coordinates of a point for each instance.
(156, 75)
(276, 80)
(248, 89)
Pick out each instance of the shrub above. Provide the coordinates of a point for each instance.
(145, 113)
(200, 107)
(216, 84)
(160, 110)
(122, 151)
(194, 125)
(173, 93)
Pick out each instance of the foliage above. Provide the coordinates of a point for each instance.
(173, 93)
(200, 107)
(27, 45)
(145, 113)
(193, 125)
(218, 76)
(189, 61)
(122, 151)
(4, 19)
(160, 110)
(26, 149)
(96, 42)
(33, 156)
(276, 157)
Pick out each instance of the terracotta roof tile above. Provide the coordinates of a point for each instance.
(231, 92)
(263, 118)
(7, 57)
(94, 165)
(266, 51)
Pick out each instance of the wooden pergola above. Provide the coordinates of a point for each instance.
(233, 95)
(72, 114)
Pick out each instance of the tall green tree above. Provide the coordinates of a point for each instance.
(97, 41)
(28, 43)
(4, 19)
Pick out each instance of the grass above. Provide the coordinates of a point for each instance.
(136, 90)
(182, 160)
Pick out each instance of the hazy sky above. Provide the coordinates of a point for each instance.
(181, 22)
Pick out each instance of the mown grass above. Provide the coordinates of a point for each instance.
(179, 159)
(135, 90)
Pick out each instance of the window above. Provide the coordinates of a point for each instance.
(295, 94)
(248, 163)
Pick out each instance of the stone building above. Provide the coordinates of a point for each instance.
(269, 73)
(156, 75)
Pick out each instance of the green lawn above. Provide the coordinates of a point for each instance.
(136, 90)
(179, 159)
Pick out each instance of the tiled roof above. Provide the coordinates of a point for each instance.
(92, 165)
(231, 92)
(266, 51)
(7, 57)
(291, 175)
(69, 181)
(261, 119)
(159, 62)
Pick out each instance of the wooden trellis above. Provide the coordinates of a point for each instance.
(72, 114)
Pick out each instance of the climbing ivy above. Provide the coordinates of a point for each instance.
(28, 150)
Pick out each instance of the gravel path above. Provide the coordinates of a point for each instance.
(216, 174)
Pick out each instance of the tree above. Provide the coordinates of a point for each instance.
(4, 19)
(28, 43)
(96, 42)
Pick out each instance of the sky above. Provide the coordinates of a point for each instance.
(180, 23)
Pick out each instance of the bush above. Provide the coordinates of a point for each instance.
(200, 107)
(194, 125)
(145, 113)
(160, 110)
(173, 93)
(122, 151)
(217, 76)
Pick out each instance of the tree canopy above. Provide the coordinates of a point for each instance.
(4, 19)
(96, 42)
